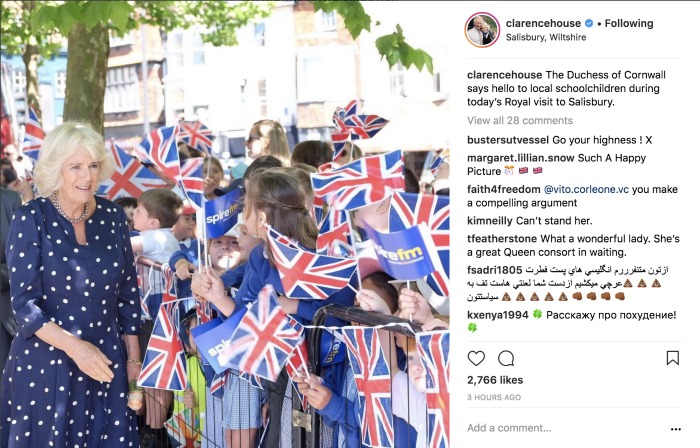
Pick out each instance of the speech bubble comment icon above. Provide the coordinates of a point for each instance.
(506, 358)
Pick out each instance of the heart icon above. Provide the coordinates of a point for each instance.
(476, 358)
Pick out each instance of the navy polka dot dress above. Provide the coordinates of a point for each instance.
(88, 290)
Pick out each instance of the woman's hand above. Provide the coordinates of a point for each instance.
(414, 306)
(91, 361)
(133, 371)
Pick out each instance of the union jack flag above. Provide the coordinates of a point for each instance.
(537, 170)
(318, 209)
(191, 180)
(182, 427)
(130, 178)
(410, 209)
(217, 384)
(196, 135)
(254, 380)
(338, 139)
(296, 364)
(362, 182)
(335, 227)
(350, 125)
(204, 311)
(164, 366)
(33, 136)
(306, 275)
(523, 170)
(373, 380)
(443, 157)
(434, 351)
(159, 148)
(263, 340)
(164, 363)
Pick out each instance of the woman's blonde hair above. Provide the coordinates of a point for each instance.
(277, 145)
(59, 145)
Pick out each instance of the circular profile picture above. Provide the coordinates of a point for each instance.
(482, 29)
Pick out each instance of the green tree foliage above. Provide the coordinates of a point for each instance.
(34, 46)
(393, 46)
(87, 25)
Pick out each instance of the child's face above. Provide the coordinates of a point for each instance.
(224, 251)
(416, 372)
(373, 215)
(184, 227)
(142, 221)
(246, 242)
(211, 170)
(250, 219)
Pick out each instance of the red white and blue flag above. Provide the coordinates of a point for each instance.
(263, 340)
(164, 366)
(297, 362)
(537, 170)
(334, 227)
(191, 181)
(523, 170)
(306, 275)
(351, 125)
(196, 135)
(159, 148)
(373, 380)
(130, 178)
(362, 182)
(434, 350)
(443, 157)
(217, 384)
(33, 136)
(410, 209)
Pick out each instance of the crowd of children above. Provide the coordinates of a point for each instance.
(276, 191)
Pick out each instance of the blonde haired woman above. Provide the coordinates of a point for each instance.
(73, 287)
(267, 138)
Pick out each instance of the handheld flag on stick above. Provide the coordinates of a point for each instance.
(362, 182)
(373, 380)
(306, 275)
(130, 178)
(434, 350)
(196, 135)
(33, 136)
(263, 340)
(405, 255)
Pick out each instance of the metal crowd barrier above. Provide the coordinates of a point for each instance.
(307, 428)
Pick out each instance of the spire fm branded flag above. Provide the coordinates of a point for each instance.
(222, 213)
(405, 255)
(362, 182)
